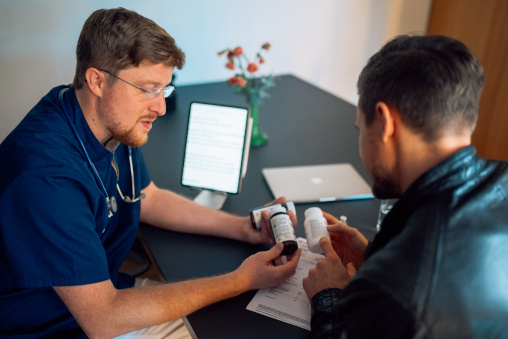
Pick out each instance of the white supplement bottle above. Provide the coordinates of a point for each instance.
(315, 228)
(283, 230)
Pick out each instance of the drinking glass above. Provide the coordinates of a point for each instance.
(385, 207)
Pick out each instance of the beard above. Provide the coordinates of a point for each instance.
(384, 186)
(129, 136)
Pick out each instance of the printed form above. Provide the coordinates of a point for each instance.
(288, 301)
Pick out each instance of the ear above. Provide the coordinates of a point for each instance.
(95, 80)
(385, 120)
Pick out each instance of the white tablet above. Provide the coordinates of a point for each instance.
(215, 147)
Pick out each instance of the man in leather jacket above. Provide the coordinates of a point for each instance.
(438, 268)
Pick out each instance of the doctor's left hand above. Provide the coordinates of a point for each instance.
(265, 235)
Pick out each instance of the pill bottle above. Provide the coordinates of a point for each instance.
(283, 230)
(315, 228)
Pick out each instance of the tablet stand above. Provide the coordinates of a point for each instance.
(211, 199)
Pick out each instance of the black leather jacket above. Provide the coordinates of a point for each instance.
(439, 266)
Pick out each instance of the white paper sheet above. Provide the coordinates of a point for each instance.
(288, 301)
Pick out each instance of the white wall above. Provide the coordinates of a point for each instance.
(326, 42)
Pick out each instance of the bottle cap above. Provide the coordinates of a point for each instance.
(277, 209)
(314, 212)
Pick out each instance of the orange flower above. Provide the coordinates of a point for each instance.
(252, 68)
(237, 81)
(238, 51)
(247, 80)
(230, 65)
(242, 82)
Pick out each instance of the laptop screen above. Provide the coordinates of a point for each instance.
(215, 146)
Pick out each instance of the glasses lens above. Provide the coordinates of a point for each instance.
(168, 90)
(152, 92)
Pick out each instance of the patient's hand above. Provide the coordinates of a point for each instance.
(349, 244)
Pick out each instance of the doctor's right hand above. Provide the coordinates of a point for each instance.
(259, 271)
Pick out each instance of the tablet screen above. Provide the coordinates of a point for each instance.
(214, 147)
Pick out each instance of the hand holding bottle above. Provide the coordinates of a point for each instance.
(349, 244)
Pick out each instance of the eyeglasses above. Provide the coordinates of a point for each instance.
(149, 93)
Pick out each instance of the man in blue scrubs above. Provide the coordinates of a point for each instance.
(69, 211)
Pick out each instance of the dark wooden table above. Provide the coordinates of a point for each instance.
(305, 125)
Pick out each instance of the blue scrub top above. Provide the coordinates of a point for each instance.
(54, 225)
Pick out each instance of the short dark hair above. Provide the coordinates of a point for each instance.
(435, 82)
(117, 39)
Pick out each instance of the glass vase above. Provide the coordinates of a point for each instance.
(258, 137)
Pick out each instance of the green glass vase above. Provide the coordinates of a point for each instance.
(258, 137)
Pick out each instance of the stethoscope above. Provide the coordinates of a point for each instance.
(110, 201)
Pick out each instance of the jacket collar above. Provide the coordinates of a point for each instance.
(454, 171)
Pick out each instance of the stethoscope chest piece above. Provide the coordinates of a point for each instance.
(112, 206)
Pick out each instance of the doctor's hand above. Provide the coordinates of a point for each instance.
(349, 244)
(264, 235)
(258, 270)
(328, 273)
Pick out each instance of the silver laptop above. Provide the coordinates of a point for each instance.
(317, 183)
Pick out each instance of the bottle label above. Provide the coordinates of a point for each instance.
(282, 228)
(318, 228)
